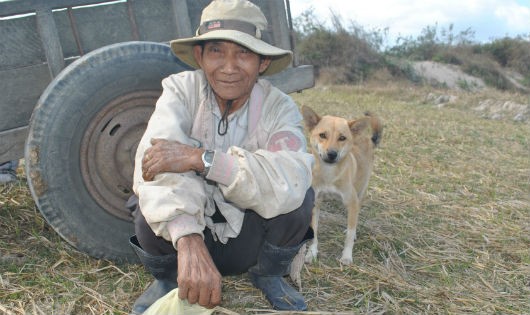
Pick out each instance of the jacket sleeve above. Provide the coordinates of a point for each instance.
(274, 179)
(173, 203)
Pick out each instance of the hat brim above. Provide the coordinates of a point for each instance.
(280, 58)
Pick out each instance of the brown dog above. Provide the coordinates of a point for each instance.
(344, 158)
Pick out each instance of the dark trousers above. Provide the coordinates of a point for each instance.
(240, 253)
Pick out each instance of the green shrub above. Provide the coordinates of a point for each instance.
(401, 68)
(353, 51)
(512, 53)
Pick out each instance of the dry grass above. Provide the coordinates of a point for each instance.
(444, 229)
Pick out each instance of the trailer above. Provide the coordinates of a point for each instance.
(79, 81)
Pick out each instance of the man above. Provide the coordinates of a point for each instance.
(222, 173)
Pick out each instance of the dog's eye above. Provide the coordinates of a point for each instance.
(342, 138)
(322, 136)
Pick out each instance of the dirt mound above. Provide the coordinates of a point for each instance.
(452, 77)
(439, 74)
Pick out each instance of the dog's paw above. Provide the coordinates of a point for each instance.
(309, 258)
(346, 259)
(311, 255)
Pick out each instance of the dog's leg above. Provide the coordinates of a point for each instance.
(353, 207)
(312, 252)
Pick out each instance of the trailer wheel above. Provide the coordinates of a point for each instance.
(82, 140)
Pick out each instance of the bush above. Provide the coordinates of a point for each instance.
(353, 52)
(351, 55)
(401, 68)
(513, 53)
(430, 44)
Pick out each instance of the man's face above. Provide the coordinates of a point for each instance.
(230, 69)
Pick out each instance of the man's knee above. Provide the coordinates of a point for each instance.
(290, 229)
(309, 202)
(147, 239)
(301, 217)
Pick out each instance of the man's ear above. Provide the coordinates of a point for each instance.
(197, 54)
(264, 64)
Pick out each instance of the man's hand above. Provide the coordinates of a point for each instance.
(198, 278)
(170, 156)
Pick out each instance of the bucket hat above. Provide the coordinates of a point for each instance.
(238, 21)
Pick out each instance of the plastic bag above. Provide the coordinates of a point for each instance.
(170, 304)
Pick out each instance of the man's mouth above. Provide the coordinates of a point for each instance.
(229, 82)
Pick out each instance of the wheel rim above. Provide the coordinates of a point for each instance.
(109, 147)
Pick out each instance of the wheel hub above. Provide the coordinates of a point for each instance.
(109, 147)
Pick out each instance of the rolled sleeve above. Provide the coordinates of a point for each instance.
(224, 168)
(170, 196)
(270, 183)
(183, 225)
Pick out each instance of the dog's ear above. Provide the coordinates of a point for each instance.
(357, 126)
(310, 117)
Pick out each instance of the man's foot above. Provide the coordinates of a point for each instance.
(279, 293)
(267, 275)
(7, 176)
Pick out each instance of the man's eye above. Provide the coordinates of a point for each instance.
(246, 52)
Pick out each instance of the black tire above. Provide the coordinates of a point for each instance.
(82, 140)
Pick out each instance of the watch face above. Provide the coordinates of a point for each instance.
(208, 158)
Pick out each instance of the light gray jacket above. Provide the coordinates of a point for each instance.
(269, 173)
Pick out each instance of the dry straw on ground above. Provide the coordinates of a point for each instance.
(444, 228)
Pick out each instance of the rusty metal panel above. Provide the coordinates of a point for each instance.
(278, 24)
(21, 88)
(12, 144)
(155, 20)
(99, 26)
(195, 9)
(20, 45)
(183, 24)
(66, 34)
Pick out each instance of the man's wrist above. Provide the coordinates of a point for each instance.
(207, 160)
(186, 240)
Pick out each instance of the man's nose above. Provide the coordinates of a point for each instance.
(230, 64)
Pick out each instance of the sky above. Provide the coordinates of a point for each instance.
(489, 19)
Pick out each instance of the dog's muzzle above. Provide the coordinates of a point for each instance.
(331, 157)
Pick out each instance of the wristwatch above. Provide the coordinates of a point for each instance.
(207, 160)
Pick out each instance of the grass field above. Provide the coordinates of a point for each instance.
(444, 229)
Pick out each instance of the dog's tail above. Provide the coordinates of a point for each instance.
(377, 128)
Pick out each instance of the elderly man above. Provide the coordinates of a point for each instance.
(222, 174)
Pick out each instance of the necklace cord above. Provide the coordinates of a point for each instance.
(222, 126)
